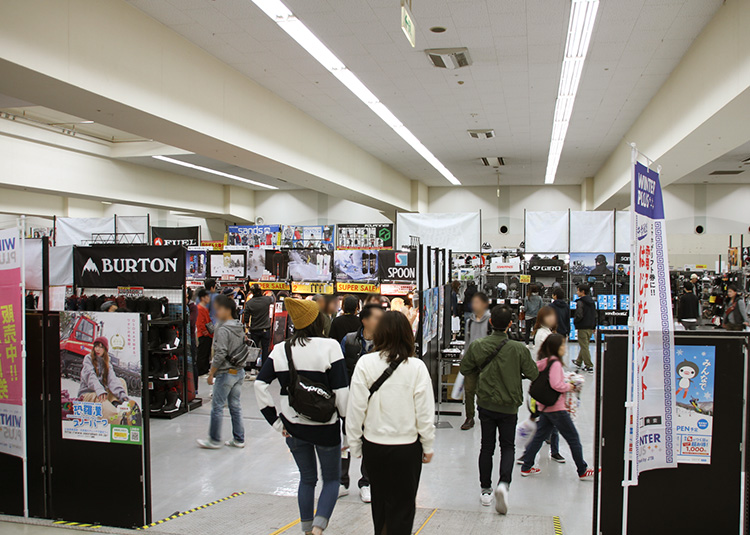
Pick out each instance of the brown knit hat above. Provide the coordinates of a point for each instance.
(302, 311)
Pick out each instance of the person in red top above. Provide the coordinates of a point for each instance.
(204, 326)
(555, 416)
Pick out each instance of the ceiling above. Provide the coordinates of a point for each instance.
(516, 47)
(72, 125)
(203, 161)
(736, 160)
(63, 123)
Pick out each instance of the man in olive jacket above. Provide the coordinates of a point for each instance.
(499, 394)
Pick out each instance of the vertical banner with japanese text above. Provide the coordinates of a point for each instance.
(12, 426)
(653, 429)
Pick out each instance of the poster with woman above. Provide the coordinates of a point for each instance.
(100, 377)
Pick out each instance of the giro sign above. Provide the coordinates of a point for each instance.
(113, 266)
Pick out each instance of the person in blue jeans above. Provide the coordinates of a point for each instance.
(555, 416)
(319, 359)
(227, 379)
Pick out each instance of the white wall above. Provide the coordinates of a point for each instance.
(723, 211)
(307, 207)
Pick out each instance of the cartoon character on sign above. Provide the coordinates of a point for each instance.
(687, 371)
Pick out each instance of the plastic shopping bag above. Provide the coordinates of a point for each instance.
(458, 387)
(525, 432)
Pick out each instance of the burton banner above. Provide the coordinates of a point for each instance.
(110, 266)
(12, 427)
(653, 425)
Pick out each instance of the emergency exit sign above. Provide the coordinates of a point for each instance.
(407, 24)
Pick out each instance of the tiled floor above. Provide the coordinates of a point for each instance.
(184, 476)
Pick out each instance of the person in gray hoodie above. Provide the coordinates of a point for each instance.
(229, 342)
(477, 327)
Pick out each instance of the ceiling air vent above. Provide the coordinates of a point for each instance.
(482, 134)
(493, 162)
(730, 172)
(449, 58)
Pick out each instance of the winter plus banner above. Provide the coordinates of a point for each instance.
(694, 388)
(653, 378)
(11, 403)
(186, 236)
(101, 382)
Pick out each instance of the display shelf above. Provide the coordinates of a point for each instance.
(195, 404)
(170, 415)
(161, 322)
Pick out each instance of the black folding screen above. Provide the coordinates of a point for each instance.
(692, 498)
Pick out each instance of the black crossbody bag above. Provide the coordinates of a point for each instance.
(540, 388)
(384, 376)
(312, 400)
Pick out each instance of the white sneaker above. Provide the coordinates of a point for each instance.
(234, 444)
(486, 497)
(343, 491)
(501, 498)
(208, 444)
(365, 495)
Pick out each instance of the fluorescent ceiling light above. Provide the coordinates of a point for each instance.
(213, 171)
(297, 30)
(580, 28)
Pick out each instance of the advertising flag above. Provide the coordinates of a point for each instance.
(12, 427)
(653, 424)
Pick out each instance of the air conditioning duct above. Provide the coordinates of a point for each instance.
(449, 58)
(486, 133)
(493, 162)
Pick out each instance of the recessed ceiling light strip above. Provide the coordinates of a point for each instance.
(279, 13)
(213, 171)
(580, 29)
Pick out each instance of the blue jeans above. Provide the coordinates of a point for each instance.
(562, 422)
(227, 390)
(330, 467)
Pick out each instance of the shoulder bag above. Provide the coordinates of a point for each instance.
(540, 388)
(312, 400)
(384, 376)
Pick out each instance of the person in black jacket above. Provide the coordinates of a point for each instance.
(562, 309)
(687, 307)
(354, 345)
(348, 322)
(585, 322)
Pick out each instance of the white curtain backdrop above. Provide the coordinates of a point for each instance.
(547, 232)
(33, 263)
(592, 232)
(133, 225)
(61, 266)
(622, 232)
(456, 231)
(78, 230)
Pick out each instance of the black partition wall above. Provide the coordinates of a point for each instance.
(692, 498)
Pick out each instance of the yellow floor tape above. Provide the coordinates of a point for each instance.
(425, 522)
(200, 507)
(76, 524)
(557, 525)
(289, 525)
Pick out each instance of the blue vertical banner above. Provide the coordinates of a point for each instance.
(652, 387)
(694, 388)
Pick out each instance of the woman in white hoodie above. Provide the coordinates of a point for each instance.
(389, 422)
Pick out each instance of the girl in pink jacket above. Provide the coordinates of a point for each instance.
(555, 416)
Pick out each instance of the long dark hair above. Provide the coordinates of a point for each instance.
(104, 361)
(551, 347)
(315, 330)
(394, 337)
